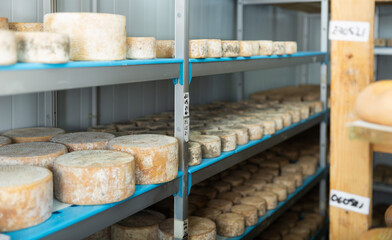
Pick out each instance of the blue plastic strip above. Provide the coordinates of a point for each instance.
(84, 64)
(269, 213)
(209, 161)
(71, 215)
(190, 73)
(225, 59)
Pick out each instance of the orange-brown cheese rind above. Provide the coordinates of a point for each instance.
(38, 134)
(84, 140)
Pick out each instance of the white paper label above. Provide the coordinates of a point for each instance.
(349, 31)
(181, 229)
(186, 129)
(349, 202)
(186, 104)
(4, 237)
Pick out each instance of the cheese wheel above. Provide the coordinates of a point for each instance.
(84, 140)
(257, 202)
(255, 48)
(26, 196)
(271, 198)
(282, 120)
(214, 48)
(209, 192)
(380, 42)
(270, 234)
(89, 32)
(103, 234)
(255, 129)
(165, 48)
(291, 168)
(294, 113)
(317, 218)
(278, 48)
(279, 189)
(210, 145)
(269, 125)
(269, 164)
(282, 229)
(287, 181)
(290, 47)
(221, 204)
(38, 134)
(298, 178)
(40, 154)
(26, 27)
(8, 47)
(140, 226)
(257, 184)
(198, 48)
(230, 48)
(233, 180)
(309, 224)
(198, 229)
(221, 186)
(308, 168)
(301, 231)
(252, 168)
(205, 129)
(262, 176)
(3, 23)
(141, 48)
(102, 128)
(210, 213)
(241, 173)
(266, 47)
(377, 234)
(241, 132)
(198, 200)
(231, 196)
(156, 156)
(228, 139)
(249, 213)
(94, 177)
(4, 141)
(388, 216)
(246, 48)
(230, 224)
(244, 190)
(195, 153)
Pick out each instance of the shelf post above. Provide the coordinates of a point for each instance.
(181, 123)
(240, 84)
(352, 68)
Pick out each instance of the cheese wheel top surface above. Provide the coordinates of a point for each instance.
(33, 132)
(4, 140)
(82, 137)
(13, 176)
(93, 159)
(143, 140)
(31, 149)
(196, 226)
(143, 218)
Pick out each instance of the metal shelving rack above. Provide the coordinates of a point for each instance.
(75, 222)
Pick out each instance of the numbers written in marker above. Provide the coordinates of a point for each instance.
(349, 31)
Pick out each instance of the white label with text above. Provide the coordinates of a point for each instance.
(186, 129)
(349, 202)
(349, 31)
(186, 104)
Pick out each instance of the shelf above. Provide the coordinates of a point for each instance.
(212, 66)
(374, 133)
(271, 215)
(23, 78)
(78, 222)
(383, 51)
(212, 166)
(381, 187)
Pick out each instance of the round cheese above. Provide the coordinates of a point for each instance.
(84, 140)
(42, 47)
(291, 168)
(103, 234)
(279, 189)
(255, 48)
(317, 218)
(298, 177)
(269, 125)
(26, 27)
(233, 180)
(209, 192)
(3, 23)
(311, 225)
(94, 177)
(221, 186)
(8, 47)
(377, 234)
(214, 48)
(266, 47)
(248, 211)
(230, 48)
(210, 213)
(228, 139)
(198, 48)
(246, 48)
(271, 198)
(263, 176)
(156, 156)
(269, 164)
(255, 129)
(270, 234)
(195, 153)
(230, 225)
(141, 48)
(102, 128)
(221, 204)
(40, 154)
(140, 226)
(388, 216)
(38, 134)
(205, 129)
(278, 48)
(252, 168)
(257, 184)
(210, 145)
(290, 47)
(4, 141)
(198, 229)
(287, 181)
(241, 173)
(198, 200)
(241, 132)
(93, 36)
(165, 48)
(279, 122)
(231, 196)
(26, 196)
(259, 203)
(301, 231)
(244, 190)
(308, 168)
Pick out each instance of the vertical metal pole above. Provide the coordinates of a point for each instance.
(376, 35)
(94, 90)
(305, 68)
(240, 36)
(323, 91)
(181, 120)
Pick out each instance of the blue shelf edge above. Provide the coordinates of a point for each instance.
(87, 64)
(226, 59)
(73, 214)
(269, 213)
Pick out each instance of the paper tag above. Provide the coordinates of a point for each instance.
(186, 129)
(181, 228)
(186, 104)
(349, 202)
(4, 237)
(349, 31)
